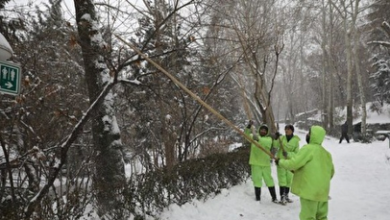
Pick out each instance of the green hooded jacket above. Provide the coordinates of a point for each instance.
(313, 168)
(257, 156)
(291, 147)
(248, 131)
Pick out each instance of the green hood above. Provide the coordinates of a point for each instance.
(313, 168)
(317, 135)
(263, 125)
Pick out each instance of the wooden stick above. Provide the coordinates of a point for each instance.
(281, 147)
(194, 96)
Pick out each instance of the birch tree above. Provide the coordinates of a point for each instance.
(342, 9)
(356, 40)
(350, 10)
(328, 65)
(326, 80)
(332, 66)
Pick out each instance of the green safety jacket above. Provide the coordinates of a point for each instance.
(257, 156)
(248, 131)
(313, 168)
(291, 147)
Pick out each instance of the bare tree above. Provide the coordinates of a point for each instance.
(260, 40)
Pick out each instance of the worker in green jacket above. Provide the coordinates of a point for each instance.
(313, 169)
(260, 163)
(287, 146)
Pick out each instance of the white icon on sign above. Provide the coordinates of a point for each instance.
(5, 73)
(9, 85)
(13, 75)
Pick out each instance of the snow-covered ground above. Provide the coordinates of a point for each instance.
(360, 190)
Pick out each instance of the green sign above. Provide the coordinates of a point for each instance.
(10, 76)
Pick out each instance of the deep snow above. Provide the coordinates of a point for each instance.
(360, 190)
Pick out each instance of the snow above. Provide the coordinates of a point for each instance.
(87, 17)
(307, 112)
(376, 118)
(57, 163)
(360, 189)
(382, 132)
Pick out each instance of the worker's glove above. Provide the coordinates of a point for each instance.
(250, 124)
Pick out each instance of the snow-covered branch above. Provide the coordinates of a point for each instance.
(382, 43)
(64, 150)
(386, 27)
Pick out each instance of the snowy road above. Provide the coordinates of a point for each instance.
(360, 190)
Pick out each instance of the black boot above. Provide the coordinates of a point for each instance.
(287, 190)
(283, 191)
(273, 194)
(257, 193)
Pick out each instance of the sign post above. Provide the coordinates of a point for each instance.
(10, 77)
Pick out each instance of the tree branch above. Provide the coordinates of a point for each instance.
(386, 27)
(56, 168)
(381, 43)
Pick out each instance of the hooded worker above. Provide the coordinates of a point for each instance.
(260, 163)
(313, 169)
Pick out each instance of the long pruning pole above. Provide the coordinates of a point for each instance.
(245, 98)
(281, 146)
(194, 96)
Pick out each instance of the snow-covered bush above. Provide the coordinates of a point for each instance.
(199, 178)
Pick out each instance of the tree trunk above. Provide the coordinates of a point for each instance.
(109, 174)
(349, 76)
(332, 70)
(355, 38)
(330, 102)
(324, 46)
(169, 139)
(264, 104)
(363, 103)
